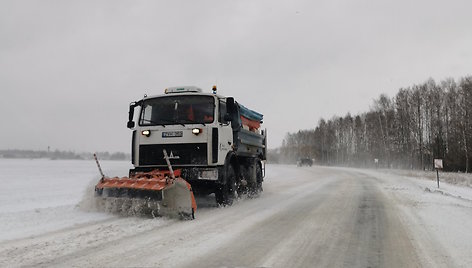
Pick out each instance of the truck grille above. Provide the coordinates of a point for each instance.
(180, 154)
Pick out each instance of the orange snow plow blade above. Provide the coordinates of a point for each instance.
(159, 193)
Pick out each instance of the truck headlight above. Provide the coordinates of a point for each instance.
(196, 131)
(146, 133)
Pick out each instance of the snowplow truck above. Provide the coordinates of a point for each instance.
(215, 143)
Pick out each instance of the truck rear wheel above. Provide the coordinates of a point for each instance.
(226, 193)
(259, 178)
(257, 188)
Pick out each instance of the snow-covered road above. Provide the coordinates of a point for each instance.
(306, 217)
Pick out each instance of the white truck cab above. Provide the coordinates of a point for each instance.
(216, 142)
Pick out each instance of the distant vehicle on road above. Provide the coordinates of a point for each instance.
(304, 162)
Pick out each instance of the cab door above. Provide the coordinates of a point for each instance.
(225, 133)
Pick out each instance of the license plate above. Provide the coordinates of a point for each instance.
(172, 134)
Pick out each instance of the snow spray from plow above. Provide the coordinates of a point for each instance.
(156, 193)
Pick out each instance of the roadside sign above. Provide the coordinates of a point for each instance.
(376, 160)
(438, 163)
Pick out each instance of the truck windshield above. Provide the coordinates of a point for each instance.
(175, 110)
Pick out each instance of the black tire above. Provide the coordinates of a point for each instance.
(226, 193)
(258, 178)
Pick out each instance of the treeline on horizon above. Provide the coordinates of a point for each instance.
(63, 155)
(420, 123)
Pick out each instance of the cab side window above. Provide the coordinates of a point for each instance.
(221, 112)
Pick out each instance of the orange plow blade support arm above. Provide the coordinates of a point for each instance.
(158, 193)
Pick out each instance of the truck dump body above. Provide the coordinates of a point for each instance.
(249, 143)
(248, 138)
(250, 118)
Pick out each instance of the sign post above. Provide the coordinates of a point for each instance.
(438, 164)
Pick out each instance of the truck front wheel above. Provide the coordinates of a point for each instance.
(226, 193)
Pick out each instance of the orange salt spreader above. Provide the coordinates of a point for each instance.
(156, 193)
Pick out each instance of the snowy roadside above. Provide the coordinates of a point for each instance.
(457, 185)
(438, 219)
(452, 184)
(456, 178)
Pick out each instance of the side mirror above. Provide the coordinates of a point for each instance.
(230, 106)
(131, 115)
(227, 117)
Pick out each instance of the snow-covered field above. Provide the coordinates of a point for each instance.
(41, 195)
(306, 217)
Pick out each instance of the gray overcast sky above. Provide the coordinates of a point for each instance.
(68, 69)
